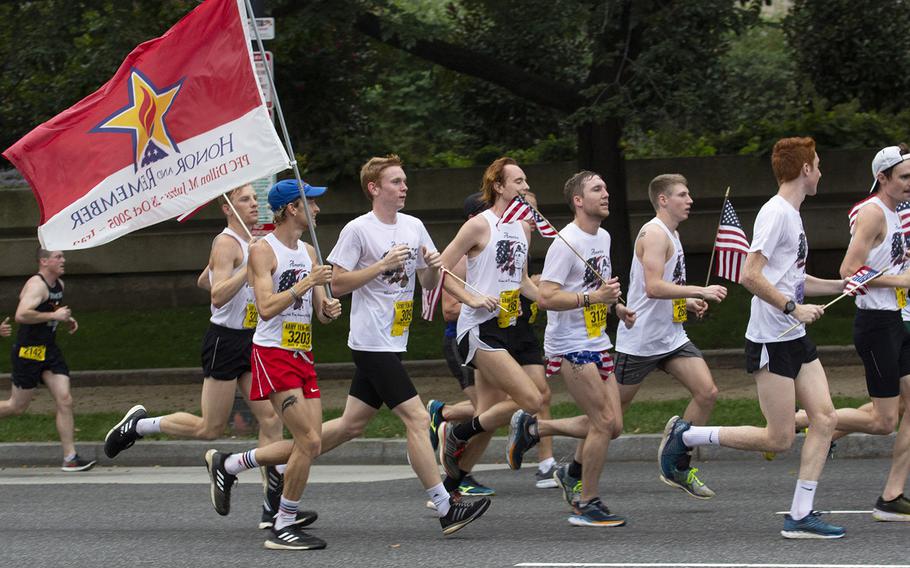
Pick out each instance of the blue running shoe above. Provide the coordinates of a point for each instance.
(473, 488)
(571, 486)
(672, 451)
(434, 407)
(520, 438)
(450, 449)
(595, 514)
(810, 526)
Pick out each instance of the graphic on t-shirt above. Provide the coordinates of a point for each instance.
(290, 277)
(400, 275)
(679, 271)
(507, 255)
(802, 251)
(897, 249)
(591, 280)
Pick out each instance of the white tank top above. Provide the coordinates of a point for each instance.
(889, 254)
(497, 272)
(240, 311)
(656, 330)
(291, 329)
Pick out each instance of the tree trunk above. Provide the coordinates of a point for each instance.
(600, 152)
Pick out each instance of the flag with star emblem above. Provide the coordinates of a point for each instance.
(730, 245)
(182, 121)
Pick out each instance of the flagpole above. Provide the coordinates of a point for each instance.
(829, 304)
(234, 211)
(714, 244)
(287, 139)
(471, 288)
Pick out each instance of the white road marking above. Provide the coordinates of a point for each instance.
(707, 565)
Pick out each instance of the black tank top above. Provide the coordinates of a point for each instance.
(42, 333)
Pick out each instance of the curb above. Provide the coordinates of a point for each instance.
(393, 451)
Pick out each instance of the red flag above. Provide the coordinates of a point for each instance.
(181, 122)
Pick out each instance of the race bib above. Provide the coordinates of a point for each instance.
(534, 308)
(251, 317)
(404, 313)
(33, 352)
(296, 335)
(901, 294)
(510, 308)
(679, 310)
(595, 320)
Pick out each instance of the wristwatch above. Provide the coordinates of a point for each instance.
(789, 307)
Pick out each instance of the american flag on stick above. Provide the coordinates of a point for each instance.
(430, 298)
(856, 284)
(521, 210)
(731, 245)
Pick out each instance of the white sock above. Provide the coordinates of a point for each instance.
(148, 425)
(280, 468)
(287, 513)
(701, 436)
(235, 463)
(803, 498)
(70, 457)
(546, 465)
(440, 497)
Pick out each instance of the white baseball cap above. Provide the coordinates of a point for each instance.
(885, 159)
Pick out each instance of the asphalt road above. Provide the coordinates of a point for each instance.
(375, 516)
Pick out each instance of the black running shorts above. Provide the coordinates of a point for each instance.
(380, 378)
(27, 370)
(463, 373)
(520, 343)
(784, 358)
(883, 343)
(226, 352)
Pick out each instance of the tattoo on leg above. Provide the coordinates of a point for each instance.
(289, 401)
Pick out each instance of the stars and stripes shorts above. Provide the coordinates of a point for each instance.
(602, 359)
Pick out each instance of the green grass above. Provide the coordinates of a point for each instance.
(138, 339)
(642, 418)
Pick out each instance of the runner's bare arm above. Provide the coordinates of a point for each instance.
(33, 294)
(269, 303)
(473, 234)
(327, 309)
(226, 257)
(756, 283)
(451, 307)
(651, 248)
(202, 281)
(869, 231)
(429, 276)
(346, 281)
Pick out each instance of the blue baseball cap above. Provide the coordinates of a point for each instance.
(286, 191)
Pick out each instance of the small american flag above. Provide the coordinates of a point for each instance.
(731, 245)
(856, 285)
(521, 210)
(430, 298)
(543, 226)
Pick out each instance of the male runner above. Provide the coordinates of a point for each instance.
(658, 294)
(36, 356)
(225, 354)
(880, 336)
(785, 366)
(577, 346)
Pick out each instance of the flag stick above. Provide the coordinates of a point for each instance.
(828, 305)
(472, 289)
(234, 211)
(714, 244)
(287, 139)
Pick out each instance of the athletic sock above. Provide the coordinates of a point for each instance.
(440, 497)
(148, 425)
(287, 513)
(235, 463)
(70, 457)
(546, 464)
(281, 467)
(467, 430)
(803, 498)
(702, 436)
(575, 470)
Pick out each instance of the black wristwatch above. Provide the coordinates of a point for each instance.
(789, 307)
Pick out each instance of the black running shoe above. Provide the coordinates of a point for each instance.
(895, 510)
(450, 449)
(461, 513)
(520, 439)
(123, 435)
(292, 537)
(222, 481)
(304, 519)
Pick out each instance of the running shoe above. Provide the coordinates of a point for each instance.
(123, 435)
(688, 481)
(473, 488)
(292, 537)
(450, 449)
(595, 514)
(222, 481)
(77, 464)
(810, 526)
(672, 451)
(571, 486)
(894, 510)
(520, 438)
(304, 519)
(434, 407)
(545, 478)
(462, 512)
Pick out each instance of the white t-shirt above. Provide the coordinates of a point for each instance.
(381, 309)
(780, 237)
(580, 329)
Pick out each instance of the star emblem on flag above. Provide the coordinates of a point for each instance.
(144, 119)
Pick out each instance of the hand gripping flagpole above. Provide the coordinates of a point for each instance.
(714, 244)
(287, 138)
